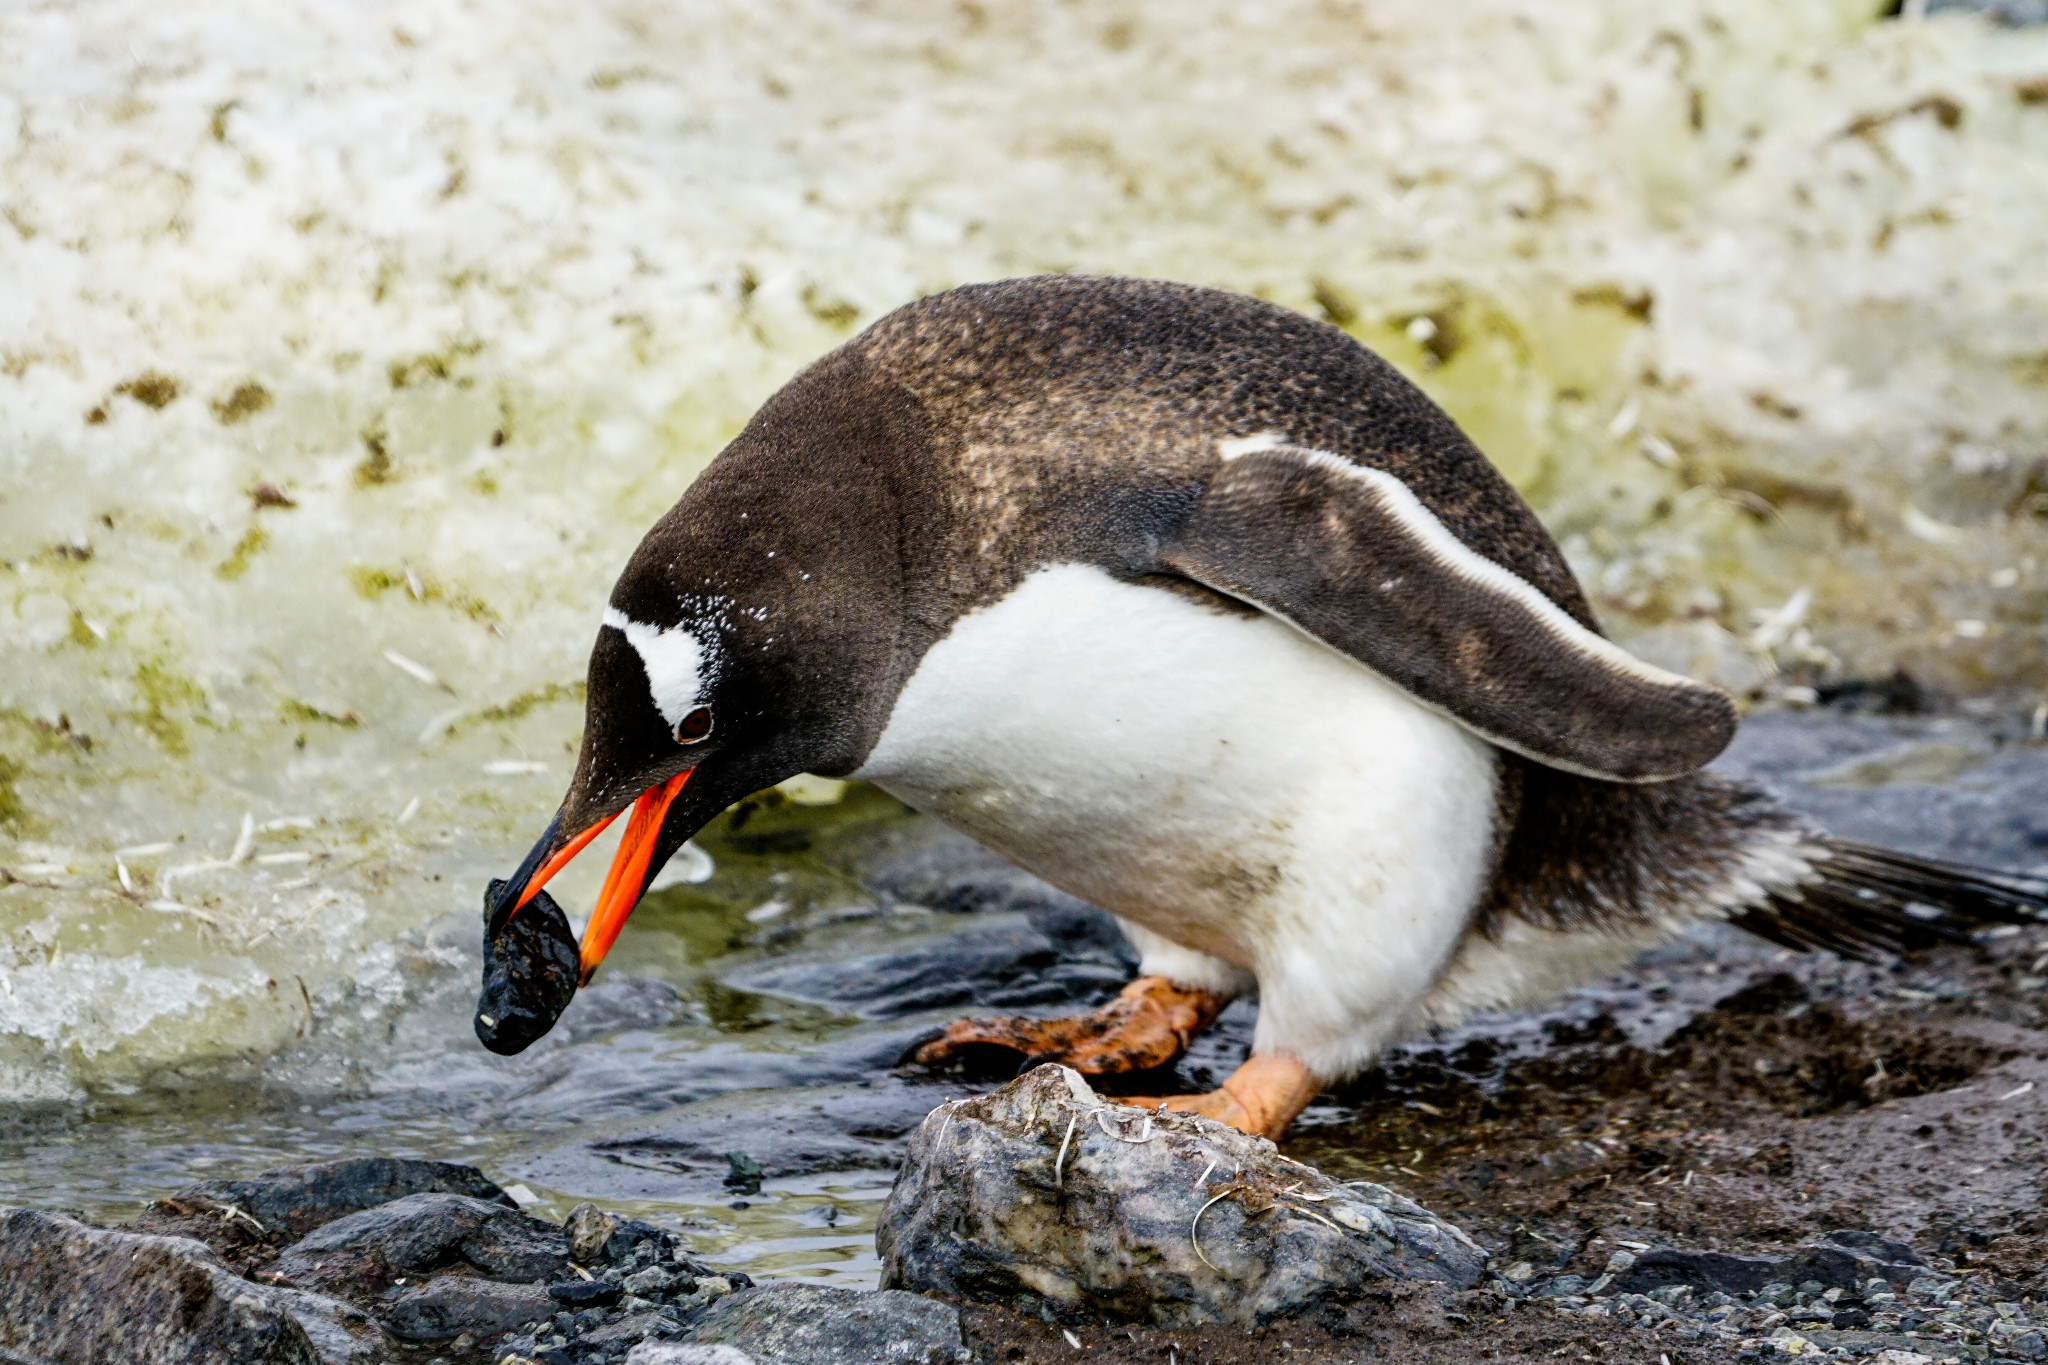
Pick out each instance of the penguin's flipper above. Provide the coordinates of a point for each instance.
(1350, 555)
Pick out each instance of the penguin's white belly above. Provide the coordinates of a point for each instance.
(1222, 779)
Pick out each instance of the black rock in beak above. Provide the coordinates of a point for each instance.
(531, 967)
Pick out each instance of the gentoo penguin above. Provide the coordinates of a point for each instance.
(1198, 610)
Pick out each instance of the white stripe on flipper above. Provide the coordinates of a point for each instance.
(1232, 447)
(675, 661)
(1482, 572)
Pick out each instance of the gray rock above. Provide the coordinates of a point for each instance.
(423, 1233)
(1854, 775)
(70, 1291)
(1846, 1260)
(1876, 1248)
(792, 1323)
(686, 1353)
(449, 1305)
(1167, 1218)
(341, 1333)
(708, 1287)
(650, 1283)
(297, 1199)
(1933, 1288)
(1718, 1270)
(589, 1228)
(633, 1327)
(580, 1294)
(1033, 947)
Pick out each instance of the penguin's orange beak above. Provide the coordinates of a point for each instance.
(627, 880)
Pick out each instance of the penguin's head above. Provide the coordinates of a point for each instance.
(653, 721)
(754, 635)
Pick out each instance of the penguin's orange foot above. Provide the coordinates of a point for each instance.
(1149, 1024)
(1261, 1097)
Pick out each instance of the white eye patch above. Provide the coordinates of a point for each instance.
(678, 664)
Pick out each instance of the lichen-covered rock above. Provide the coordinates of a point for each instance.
(73, 1292)
(367, 1252)
(590, 1229)
(653, 1282)
(809, 1324)
(1040, 1191)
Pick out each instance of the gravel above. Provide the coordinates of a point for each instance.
(1934, 1319)
(647, 1290)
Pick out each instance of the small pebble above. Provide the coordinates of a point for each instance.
(589, 1229)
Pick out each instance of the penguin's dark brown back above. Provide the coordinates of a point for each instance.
(1061, 402)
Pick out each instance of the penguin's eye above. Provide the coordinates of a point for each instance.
(694, 727)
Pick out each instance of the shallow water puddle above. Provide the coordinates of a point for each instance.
(659, 1029)
(819, 1228)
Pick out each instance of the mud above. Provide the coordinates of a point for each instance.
(1412, 1326)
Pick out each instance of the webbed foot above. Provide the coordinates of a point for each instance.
(1148, 1025)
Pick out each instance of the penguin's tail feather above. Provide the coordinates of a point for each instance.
(1862, 901)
